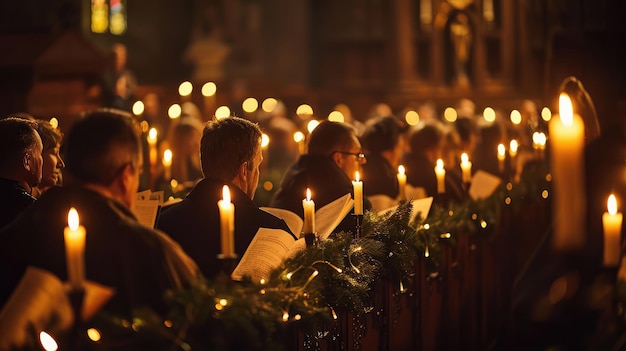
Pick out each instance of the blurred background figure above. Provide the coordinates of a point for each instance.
(119, 85)
(52, 162)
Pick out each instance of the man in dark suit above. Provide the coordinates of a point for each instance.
(334, 156)
(230, 152)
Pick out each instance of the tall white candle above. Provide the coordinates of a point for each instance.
(513, 153)
(401, 182)
(309, 213)
(568, 206)
(74, 235)
(357, 186)
(466, 168)
(612, 224)
(227, 223)
(152, 142)
(440, 173)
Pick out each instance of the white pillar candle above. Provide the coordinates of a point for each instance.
(309, 213)
(466, 168)
(501, 157)
(566, 145)
(612, 224)
(401, 182)
(440, 172)
(357, 186)
(167, 164)
(227, 224)
(152, 142)
(74, 235)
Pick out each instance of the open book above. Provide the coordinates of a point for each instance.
(148, 205)
(420, 206)
(483, 185)
(270, 247)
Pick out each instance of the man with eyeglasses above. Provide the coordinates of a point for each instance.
(334, 156)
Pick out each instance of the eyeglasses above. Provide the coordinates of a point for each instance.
(359, 155)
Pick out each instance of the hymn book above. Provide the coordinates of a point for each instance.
(270, 247)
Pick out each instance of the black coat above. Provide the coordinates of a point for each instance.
(14, 200)
(195, 223)
(379, 177)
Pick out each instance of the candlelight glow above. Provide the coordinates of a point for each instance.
(501, 150)
(308, 194)
(611, 204)
(54, 123)
(304, 109)
(489, 114)
(401, 169)
(439, 164)
(185, 88)
(464, 158)
(298, 136)
(513, 147)
(167, 157)
(47, 342)
(565, 110)
(450, 114)
(356, 176)
(222, 112)
(174, 111)
(336, 116)
(72, 219)
(209, 89)
(546, 114)
(412, 118)
(516, 117)
(138, 108)
(265, 140)
(269, 104)
(226, 194)
(312, 125)
(93, 334)
(250, 105)
(152, 135)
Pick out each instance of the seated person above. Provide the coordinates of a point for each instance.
(384, 140)
(20, 166)
(334, 155)
(52, 161)
(103, 163)
(231, 154)
(426, 143)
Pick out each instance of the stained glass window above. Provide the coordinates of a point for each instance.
(99, 16)
(118, 17)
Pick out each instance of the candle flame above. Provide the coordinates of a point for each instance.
(611, 204)
(356, 176)
(464, 158)
(440, 164)
(565, 110)
(501, 149)
(226, 194)
(513, 146)
(47, 341)
(167, 156)
(152, 134)
(308, 194)
(72, 219)
(401, 169)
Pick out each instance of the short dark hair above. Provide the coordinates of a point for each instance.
(382, 133)
(330, 136)
(17, 136)
(100, 144)
(50, 137)
(226, 144)
(425, 137)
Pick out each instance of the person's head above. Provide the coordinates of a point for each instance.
(230, 150)
(427, 139)
(52, 161)
(385, 136)
(339, 142)
(119, 55)
(21, 149)
(103, 151)
(466, 129)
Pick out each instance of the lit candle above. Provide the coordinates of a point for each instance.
(440, 172)
(566, 145)
(74, 235)
(513, 153)
(501, 157)
(152, 142)
(167, 164)
(401, 183)
(466, 168)
(309, 213)
(227, 224)
(357, 185)
(612, 223)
